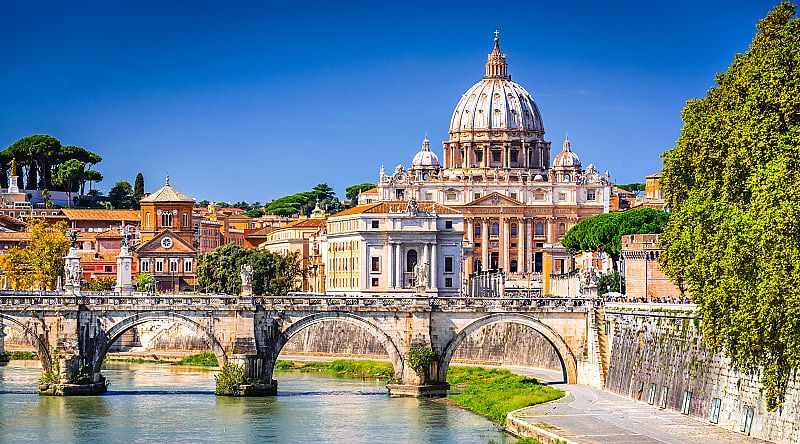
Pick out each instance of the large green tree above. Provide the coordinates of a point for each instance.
(273, 274)
(603, 232)
(733, 182)
(121, 195)
(69, 175)
(138, 189)
(352, 192)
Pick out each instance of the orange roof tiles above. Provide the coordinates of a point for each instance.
(105, 215)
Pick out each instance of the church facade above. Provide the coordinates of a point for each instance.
(496, 171)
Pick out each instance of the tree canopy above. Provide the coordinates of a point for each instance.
(68, 175)
(41, 155)
(733, 182)
(352, 192)
(304, 202)
(138, 189)
(121, 195)
(274, 274)
(633, 187)
(604, 231)
(41, 261)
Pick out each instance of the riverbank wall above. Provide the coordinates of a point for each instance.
(657, 354)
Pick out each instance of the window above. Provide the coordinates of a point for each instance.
(513, 196)
(159, 265)
(107, 269)
(145, 265)
(375, 282)
(662, 400)
(567, 178)
(687, 399)
(476, 196)
(538, 196)
(185, 219)
(450, 196)
(448, 264)
(713, 415)
(495, 229)
(166, 219)
(448, 282)
(562, 196)
(448, 225)
(411, 260)
(399, 194)
(639, 391)
(651, 395)
(539, 229)
(562, 228)
(590, 195)
(513, 230)
(173, 265)
(375, 264)
(478, 155)
(375, 224)
(495, 156)
(477, 229)
(514, 155)
(747, 420)
(187, 265)
(513, 266)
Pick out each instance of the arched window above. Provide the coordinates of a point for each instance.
(562, 228)
(566, 178)
(513, 230)
(166, 219)
(495, 229)
(477, 229)
(411, 260)
(539, 229)
(147, 219)
(185, 219)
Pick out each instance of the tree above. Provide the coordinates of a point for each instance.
(733, 182)
(143, 279)
(255, 212)
(352, 192)
(46, 198)
(603, 232)
(323, 191)
(610, 282)
(634, 187)
(138, 188)
(69, 174)
(121, 195)
(92, 176)
(101, 284)
(219, 270)
(37, 152)
(41, 262)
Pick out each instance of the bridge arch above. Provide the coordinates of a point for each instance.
(42, 347)
(569, 365)
(395, 356)
(124, 325)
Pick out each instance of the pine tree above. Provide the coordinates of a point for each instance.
(138, 189)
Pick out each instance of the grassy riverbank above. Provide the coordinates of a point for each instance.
(495, 392)
(343, 367)
(203, 359)
(18, 355)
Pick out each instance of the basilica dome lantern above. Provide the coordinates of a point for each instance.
(567, 164)
(425, 163)
(497, 124)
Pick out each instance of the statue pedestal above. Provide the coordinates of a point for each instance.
(74, 272)
(124, 261)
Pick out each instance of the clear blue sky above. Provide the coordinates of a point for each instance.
(252, 101)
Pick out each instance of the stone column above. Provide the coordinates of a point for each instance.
(485, 243)
(551, 232)
(124, 261)
(529, 243)
(521, 245)
(434, 278)
(505, 245)
(390, 265)
(427, 262)
(3, 358)
(398, 266)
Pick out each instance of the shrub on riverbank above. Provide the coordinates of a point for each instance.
(22, 355)
(204, 359)
(230, 377)
(494, 393)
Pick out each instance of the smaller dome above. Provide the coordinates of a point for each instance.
(566, 158)
(538, 178)
(425, 158)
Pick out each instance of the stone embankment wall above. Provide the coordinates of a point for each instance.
(498, 344)
(658, 355)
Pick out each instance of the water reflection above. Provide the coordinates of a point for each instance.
(163, 403)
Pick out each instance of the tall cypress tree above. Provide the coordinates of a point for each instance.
(138, 189)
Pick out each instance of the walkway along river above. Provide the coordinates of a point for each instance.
(171, 404)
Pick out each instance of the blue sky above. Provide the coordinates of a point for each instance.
(253, 100)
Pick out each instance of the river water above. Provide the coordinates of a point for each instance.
(169, 404)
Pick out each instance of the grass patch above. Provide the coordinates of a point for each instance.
(494, 392)
(22, 355)
(204, 359)
(343, 367)
(140, 360)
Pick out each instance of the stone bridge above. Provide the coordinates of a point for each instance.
(76, 332)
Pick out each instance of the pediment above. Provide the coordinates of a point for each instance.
(154, 245)
(495, 199)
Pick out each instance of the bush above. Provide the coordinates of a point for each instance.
(204, 359)
(101, 284)
(50, 375)
(230, 377)
(420, 359)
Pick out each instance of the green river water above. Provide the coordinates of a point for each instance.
(149, 403)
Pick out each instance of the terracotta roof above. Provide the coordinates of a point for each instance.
(109, 234)
(105, 215)
(24, 235)
(89, 257)
(167, 194)
(263, 231)
(306, 223)
(371, 191)
(396, 207)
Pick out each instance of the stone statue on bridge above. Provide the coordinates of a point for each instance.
(246, 275)
(421, 276)
(73, 238)
(126, 238)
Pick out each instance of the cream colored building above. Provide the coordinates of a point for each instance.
(496, 172)
(296, 238)
(397, 248)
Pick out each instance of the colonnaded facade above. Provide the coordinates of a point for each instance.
(496, 171)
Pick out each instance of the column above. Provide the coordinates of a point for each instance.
(426, 260)
(485, 243)
(390, 265)
(471, 241)
(529, 242)
(521, 244)
(3, 358)
(551, 232)
(505, 244)
(398, 266)
(434, 278)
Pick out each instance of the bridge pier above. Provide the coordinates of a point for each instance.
(3, 357)
(413, 385)
(259, 371)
